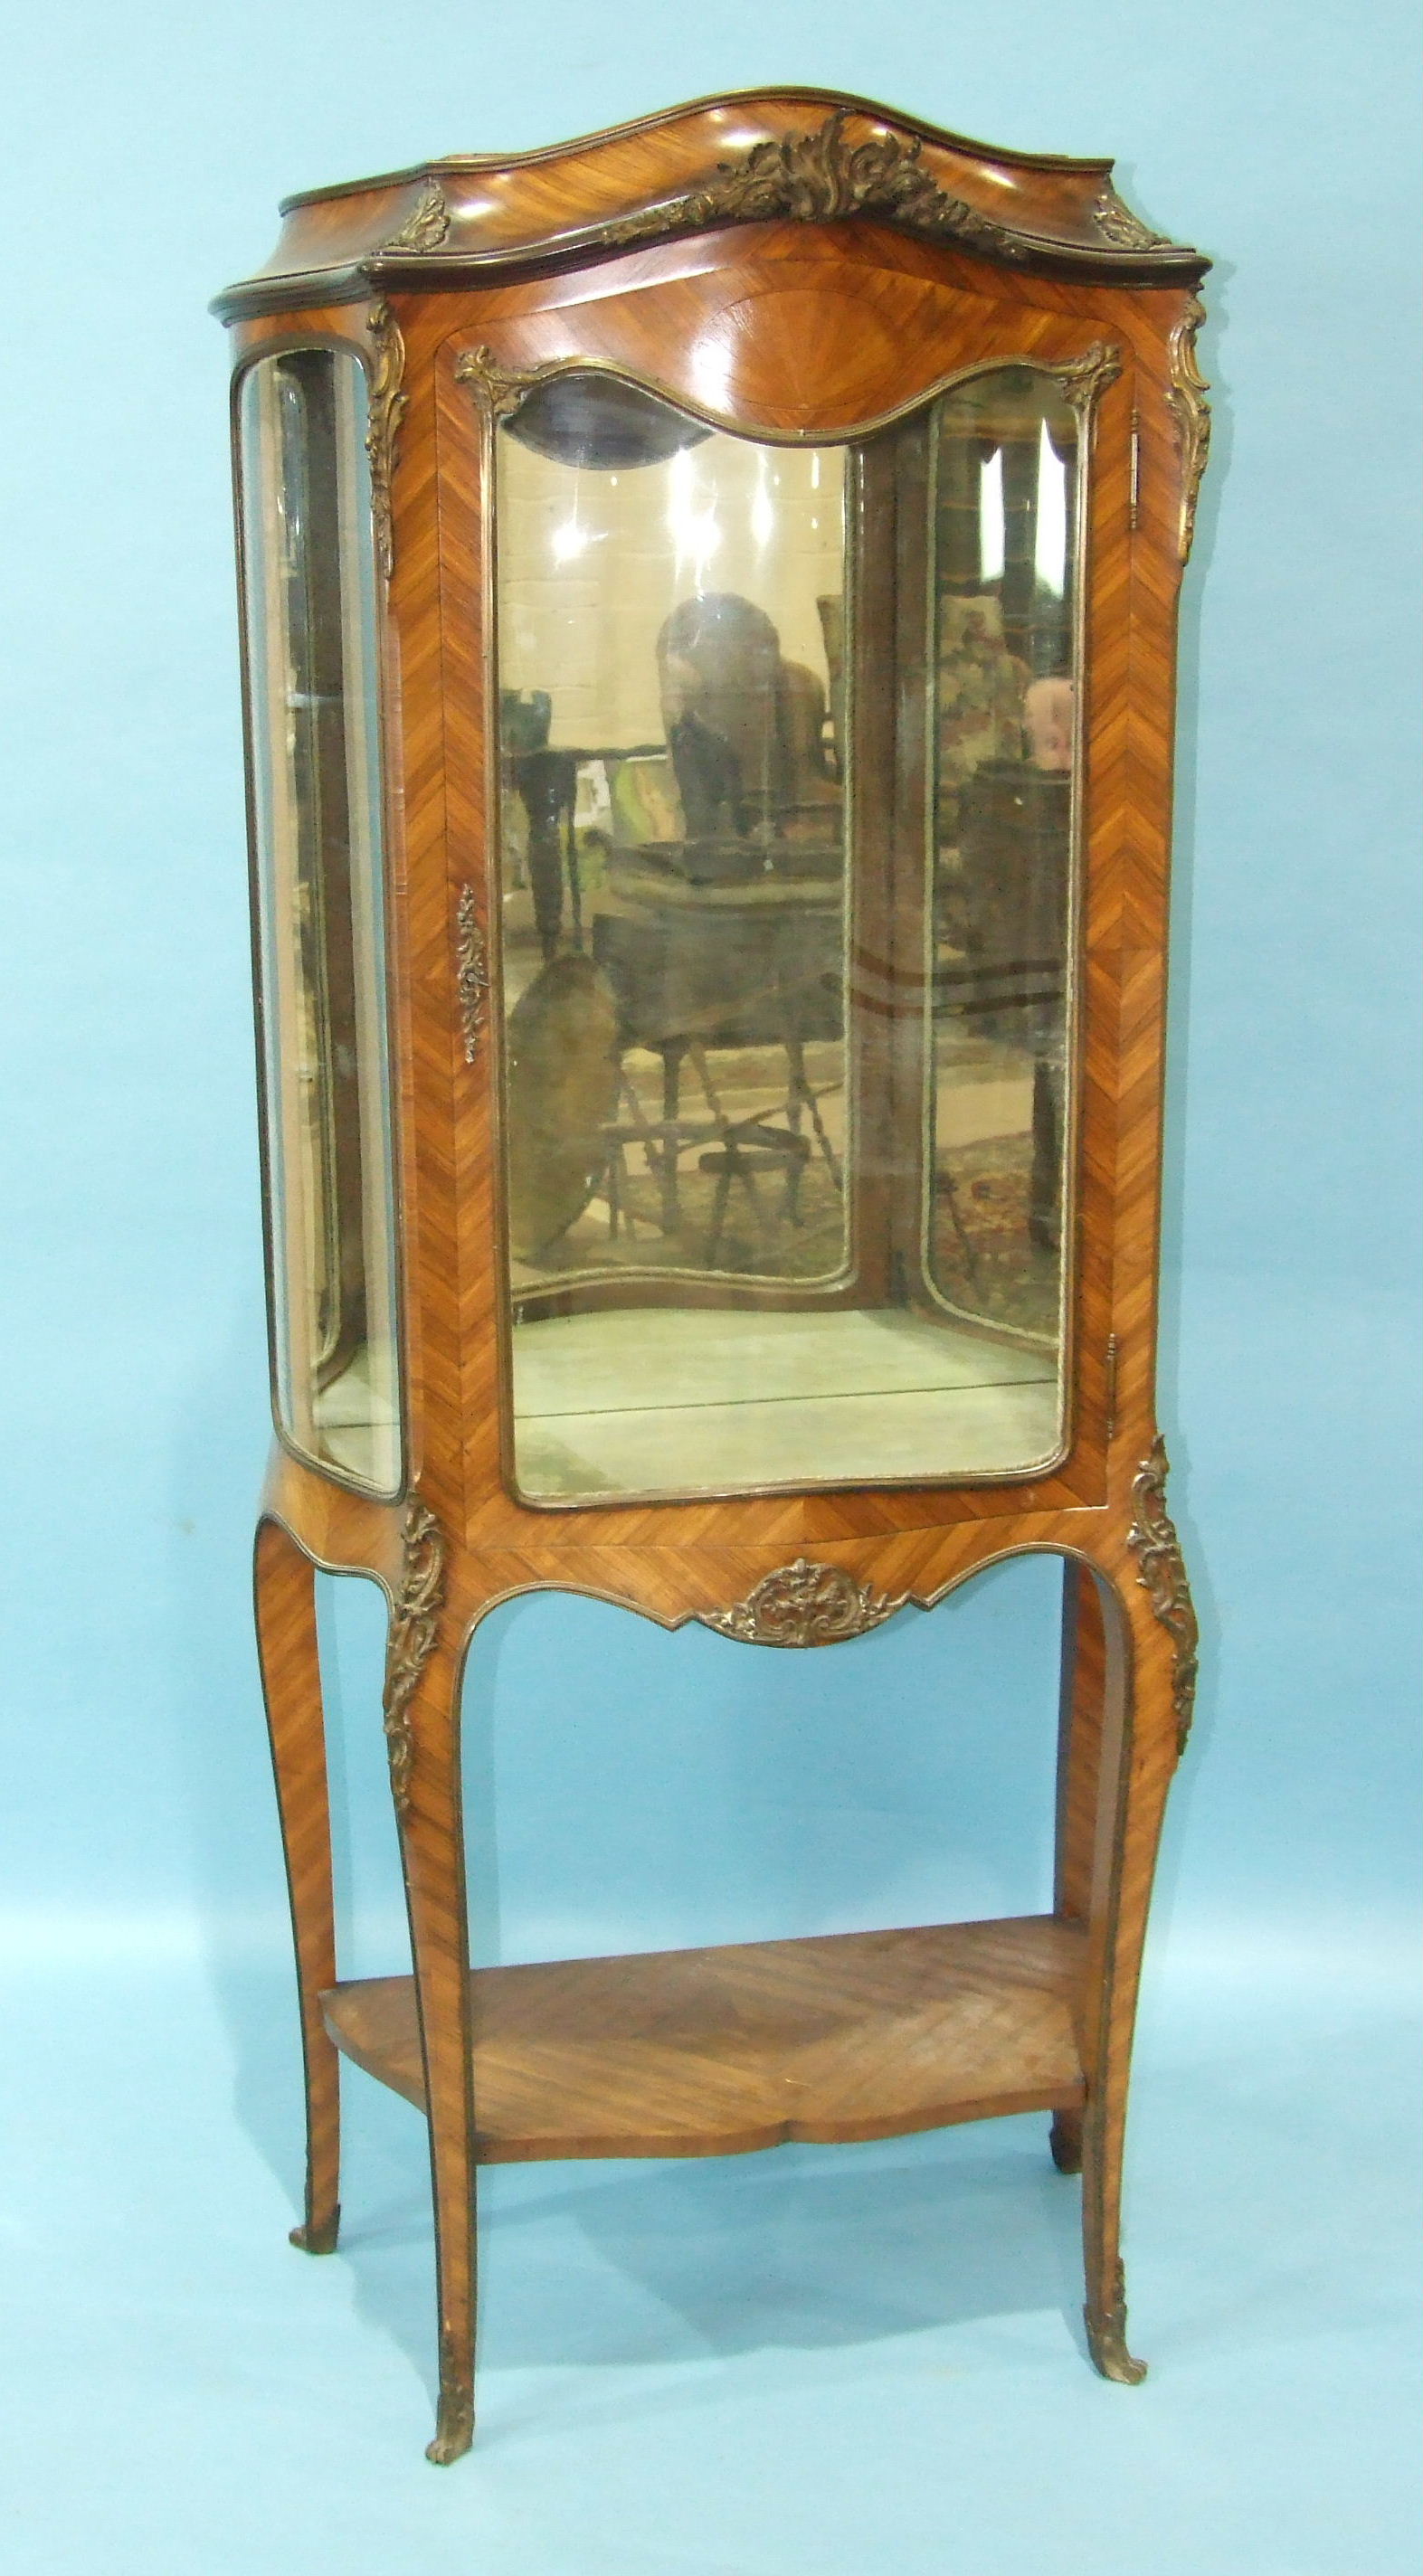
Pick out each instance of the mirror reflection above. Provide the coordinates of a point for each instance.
(673, 846)
(783, 882)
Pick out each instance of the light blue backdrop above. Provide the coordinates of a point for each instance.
(630, 1789)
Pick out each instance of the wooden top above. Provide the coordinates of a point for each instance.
(807, 155)
(715, 2052)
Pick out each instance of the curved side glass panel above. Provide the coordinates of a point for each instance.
(309, 569)
(1004, 507)
(784, 843)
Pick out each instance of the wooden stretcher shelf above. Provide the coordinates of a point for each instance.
(719, 2051)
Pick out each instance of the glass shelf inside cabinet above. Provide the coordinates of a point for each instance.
(787, 837)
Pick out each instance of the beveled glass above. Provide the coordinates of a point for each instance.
(311, 643)
(785, 860)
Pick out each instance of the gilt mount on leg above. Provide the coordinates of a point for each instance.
(1153, 1542)
(412, 1639)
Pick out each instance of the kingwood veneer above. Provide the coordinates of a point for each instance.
(800, 267)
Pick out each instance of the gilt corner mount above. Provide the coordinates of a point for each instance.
(1187, 398)
(387, 409)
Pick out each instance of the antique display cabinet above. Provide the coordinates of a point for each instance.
(709, 599)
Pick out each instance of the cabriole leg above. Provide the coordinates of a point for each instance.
(285, 1591)
(1138, 1754)
(422, 1733)
(1079, 1748)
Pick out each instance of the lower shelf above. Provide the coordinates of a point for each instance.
(717, 2052)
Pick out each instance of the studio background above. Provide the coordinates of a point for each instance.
(855, 2360)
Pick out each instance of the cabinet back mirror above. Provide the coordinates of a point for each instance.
(787, 1173)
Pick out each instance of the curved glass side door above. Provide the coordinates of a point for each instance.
(1003, 511)
(787, 854)
(311, 645)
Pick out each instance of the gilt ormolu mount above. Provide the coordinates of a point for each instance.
(709, 596)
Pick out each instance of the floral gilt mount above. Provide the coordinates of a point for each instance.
(805, 1605)
(821, 178)
(1153, 1542)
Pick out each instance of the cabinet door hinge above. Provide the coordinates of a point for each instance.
(1111, 1374)
(1135, 487)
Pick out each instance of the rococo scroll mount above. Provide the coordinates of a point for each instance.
(1187, 398)
(502, 389)
(805, 1605)
(426, 227)
(418, 1602)
(1153, 1542)
(471, 972)
(821, 178)
(387, 409)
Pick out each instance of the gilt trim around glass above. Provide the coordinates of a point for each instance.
(500, 394)
(361, 621)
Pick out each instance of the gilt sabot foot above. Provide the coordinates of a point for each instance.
(1107, 2336)
(454, 2421)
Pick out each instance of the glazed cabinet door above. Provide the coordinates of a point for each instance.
(785, 886)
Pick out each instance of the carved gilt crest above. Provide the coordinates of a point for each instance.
(821, 178)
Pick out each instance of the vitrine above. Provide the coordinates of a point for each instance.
(709, 602)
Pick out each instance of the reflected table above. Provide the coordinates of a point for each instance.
(716, 946)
